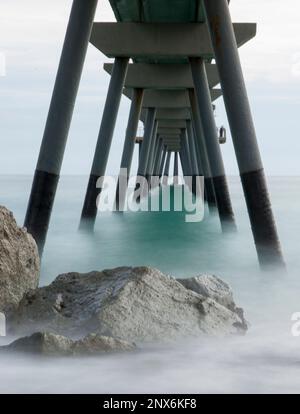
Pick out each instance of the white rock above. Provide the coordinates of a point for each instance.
(94, 344)
(19, 261)
(211, 287)
(134, 304)
(49, 344)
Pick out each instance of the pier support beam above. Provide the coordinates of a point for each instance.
(157, 162)
(196, 159)
(158, 157)
(202, 152)
(176, 169)
(243, 132)
(163, 160)
(59, 119)
(147, 141)
(183, 162)
(130, 138)
(146, 146)
(212, 144)
(167, 168)
(152, 150)
(187, 161)
(186, 153)
(193, 156)
(111, 108)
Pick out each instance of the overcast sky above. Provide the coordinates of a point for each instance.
(31, 36)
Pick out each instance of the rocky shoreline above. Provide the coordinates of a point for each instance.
(107, 311)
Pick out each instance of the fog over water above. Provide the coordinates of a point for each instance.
(267, 359)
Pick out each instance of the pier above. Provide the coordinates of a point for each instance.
(173, 61)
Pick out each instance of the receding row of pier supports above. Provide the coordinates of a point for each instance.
(174, 100)
(58, 123)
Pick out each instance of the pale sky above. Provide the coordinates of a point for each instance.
(31, 36)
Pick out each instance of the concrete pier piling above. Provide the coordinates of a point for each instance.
(194, 161)
(59, 119)
(162, 162)
(158, 156)
(150, 162)
(187, 151)
(111, 108)
(167, 169)
(198, 159)
(176, 169)
(194, 148)
(130, 138)
(202, 151)
(187, 159)
(183, 162)
(146, 147)
(213, 148)
(157, 162)
(243, 133)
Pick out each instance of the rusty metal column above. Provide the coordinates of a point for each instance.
(130, 138)
(111, 108)
(213, 148)
(59, 120)
(243, 133)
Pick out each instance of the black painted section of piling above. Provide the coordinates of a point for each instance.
(194, 184)
(89, 210)
(262, 219)
(210, 196)
(40, 206)
(59, 119)
(148, 178)
(138, 187)
(120, 197)
(224, 203)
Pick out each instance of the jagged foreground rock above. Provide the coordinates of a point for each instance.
(49, 344)
(133, 304)
(19, 261)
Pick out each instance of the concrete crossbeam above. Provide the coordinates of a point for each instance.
(168, 131)
(171, 123)
(161, 40)
(170, 138)
(168, 99)
(169, 113)
(174, 148)
(163, 76)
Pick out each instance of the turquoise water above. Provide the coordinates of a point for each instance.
(265, 360)
(163, 240)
